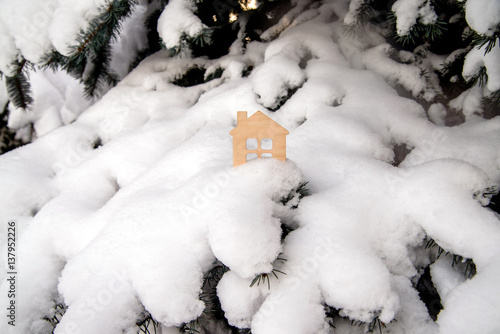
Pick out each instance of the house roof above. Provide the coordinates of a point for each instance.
(258, 120)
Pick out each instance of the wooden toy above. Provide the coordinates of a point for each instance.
(257, 136)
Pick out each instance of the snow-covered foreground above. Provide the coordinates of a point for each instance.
(125, 209)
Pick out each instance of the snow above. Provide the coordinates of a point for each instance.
(350, 17)
(178, 19)
(242, 305)
(30, 29)
(124, 205)
(437, 113)
(477, 298)
(70, 18)
(483, 15)
(9, 51)
(444, 277)
(469, 102)
(409, 76)
(35, 26)
(478, 58)
(408, 12)
(132, 39)
(3, 93)
(58, 101)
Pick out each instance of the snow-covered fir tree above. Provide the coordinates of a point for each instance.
(130, 218)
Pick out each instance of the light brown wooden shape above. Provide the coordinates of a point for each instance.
(257, 126)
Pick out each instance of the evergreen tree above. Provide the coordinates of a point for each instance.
(225, 21)
(443, 32)
(221, 27)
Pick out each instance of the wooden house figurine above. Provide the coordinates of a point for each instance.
(257, 136)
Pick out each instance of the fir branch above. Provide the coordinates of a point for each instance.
(18, 86)
(214, 275)
(191, 327)
(373, 325)
(265, 277)
(8, 140)
(330, 314)
(365, 12)
(430, 32)
(468, 265)
(91, 54)
(480, 41)
(491, 105)
(183, 47)
(104, 28)
(481, 78)
(195, 75)
(203, 38)
(434, 31)
(52, 60)
(56, 313)
(147, 321)
(100, 75)
(59, 310)
(154, 41)
(214, 75)
(300, 192)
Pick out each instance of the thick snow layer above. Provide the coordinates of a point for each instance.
(350, 17)
(124, 207)
(409, 11)
(58, 100)
(3, 93)
(409, 76)
(444, 277)
(178, 19)
(478, 58)
(8, 47)
(34, 27)
(132, 39)
(72, 17)
(28, 23)
(483, 15)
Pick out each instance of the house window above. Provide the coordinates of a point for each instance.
(266, 155)
(252, 144)
(266, 144)
(252, 156)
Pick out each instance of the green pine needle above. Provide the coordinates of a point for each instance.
(18, 86)
(191, 327)
(265, 277)
(374, 324)
(479, 41)
(481, 78)
(93, 48)
(146, 322)
(491, 104)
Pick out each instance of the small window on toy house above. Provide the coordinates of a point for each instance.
(252, 144)
(266, 155)
(266, 144)
(252, 156)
